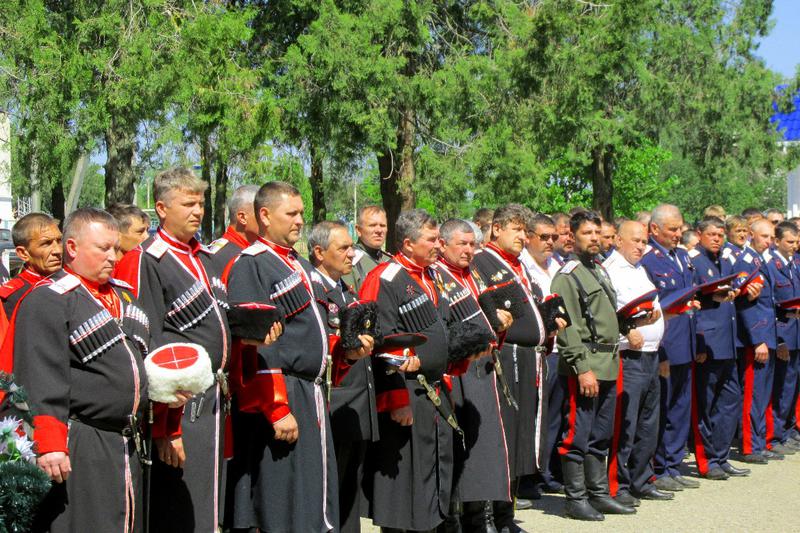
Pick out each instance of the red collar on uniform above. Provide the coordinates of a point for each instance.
(408, 264)
(30, 275)
(454, 269)
(420, 274)
(192, 247)
(512, 260)
(235, 237)
(285, 252)
(104, 293)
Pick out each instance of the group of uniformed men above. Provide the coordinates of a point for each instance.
(297, 433)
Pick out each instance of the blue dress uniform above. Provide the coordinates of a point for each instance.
(672, 270)
(728, 256)
(756, 325)
(779, 416)
(717, 397)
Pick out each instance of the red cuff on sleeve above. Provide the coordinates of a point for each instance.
(166, 421)
(458, 368)
(266, 394)
(50, 434)
(391, 400)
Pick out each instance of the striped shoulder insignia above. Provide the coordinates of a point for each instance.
(316, 278)
(217, 245)
(358, 256)
(157, 248)
(10, 287)
(256, 248)
(119, 283)
(390, 271)
(569, 266)
(694, 253)
(65, 284)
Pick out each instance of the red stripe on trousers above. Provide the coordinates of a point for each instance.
(797, 412)
(699, 449)
(572, 385)
(613, 461)
(747, 401)
(770, 422)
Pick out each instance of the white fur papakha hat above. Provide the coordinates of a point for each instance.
(177, 367)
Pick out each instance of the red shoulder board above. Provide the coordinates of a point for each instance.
(10, 287)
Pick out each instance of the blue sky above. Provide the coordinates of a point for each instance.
(781, 48)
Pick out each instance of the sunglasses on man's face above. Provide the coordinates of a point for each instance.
(547, 236)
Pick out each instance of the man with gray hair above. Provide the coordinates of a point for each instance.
(482, 476)
(411, 466)
(242, 228)
(180, 290)
(354, 414)
(670, 270)
(78, 343)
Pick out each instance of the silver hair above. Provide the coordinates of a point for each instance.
(477, 231)
(242, 197)
(410, 223)
(320, 235)
(452, 226)
(662, 212)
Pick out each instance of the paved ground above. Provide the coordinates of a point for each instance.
(766, 501)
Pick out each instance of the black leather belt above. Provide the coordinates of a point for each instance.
(126, 430)
(600, 347)
(635, 354)
(305, 377)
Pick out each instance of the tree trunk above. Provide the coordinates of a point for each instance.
(220, 197)
(397, 176)
(602, 172)
(318, 211)
(206, 157)
(119, 174)
(57, 200)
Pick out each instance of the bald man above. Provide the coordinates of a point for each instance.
(638, 388)
(758, 332)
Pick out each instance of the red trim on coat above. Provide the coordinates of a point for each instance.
(770, 423)
(613, 460)
(392, 399)
(50, 434)
(127, 269)
(572, 386)
(699, 449)
(235, 237)
(265, 394)
(166, 421)
(747, 400)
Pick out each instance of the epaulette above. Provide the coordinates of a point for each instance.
(726, 252)
(217, 245)
(694, 253)
(10, 287)
(569, 266)
(358, 255)
(747, 258)
(256, 248)
(119, 283)
(767, 256)
(65, 284)
(316, 278)
(157, 248)
(390, 271)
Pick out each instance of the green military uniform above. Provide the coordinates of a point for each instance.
(589, 344)
(578, 349)
(365, 260)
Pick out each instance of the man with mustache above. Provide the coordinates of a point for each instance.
(354, 415)
(179, 288)
(522, 353)
(242, 228)
(37, 241)
(79, 357)
(542, 267)
(565, 244)
(482, 466)
(588, 366)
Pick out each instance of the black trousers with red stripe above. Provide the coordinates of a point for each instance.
(590, 421)
(636, 422)
(716, 410)
(756, 381)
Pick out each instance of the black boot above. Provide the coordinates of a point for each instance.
(577, 505)
(504, 518)
(452, 524)
(597, 485)
(478, 517)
